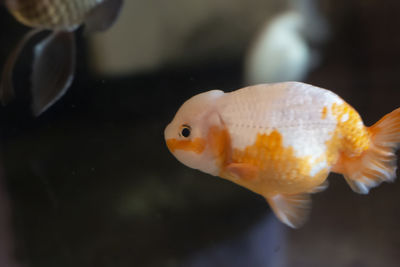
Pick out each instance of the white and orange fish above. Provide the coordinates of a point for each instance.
(54, 57)
(281, 141)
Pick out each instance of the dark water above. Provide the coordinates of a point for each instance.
(91, 183)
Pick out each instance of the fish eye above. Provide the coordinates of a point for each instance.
(185, 130)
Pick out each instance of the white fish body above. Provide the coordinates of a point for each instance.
(281, 141)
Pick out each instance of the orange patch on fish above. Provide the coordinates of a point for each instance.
(353, 136)
(196, 145)
(324, 113)
(279, 169)
(350, 138)
(220, 143)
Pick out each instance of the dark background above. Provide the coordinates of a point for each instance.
(91, 183)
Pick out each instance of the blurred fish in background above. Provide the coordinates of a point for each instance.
(282, 49)
(54, 57)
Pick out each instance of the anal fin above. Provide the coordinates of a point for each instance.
(292, 210)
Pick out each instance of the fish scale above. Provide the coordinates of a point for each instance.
(289, 110)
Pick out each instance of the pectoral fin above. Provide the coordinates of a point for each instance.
(53, 69)
(242, 170)
(103, 16)
(292, 210)
(6, 82)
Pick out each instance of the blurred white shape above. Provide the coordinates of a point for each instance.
(282, 51)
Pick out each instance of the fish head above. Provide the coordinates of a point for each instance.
(189, 135)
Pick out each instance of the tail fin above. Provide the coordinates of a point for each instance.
(378, 163)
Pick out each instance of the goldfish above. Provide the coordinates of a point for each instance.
(281, 141)
(54, 56)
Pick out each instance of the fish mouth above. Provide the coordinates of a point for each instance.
(196, 145)
(170, 146)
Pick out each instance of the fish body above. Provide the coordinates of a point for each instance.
(281, 141)
(54, 56)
